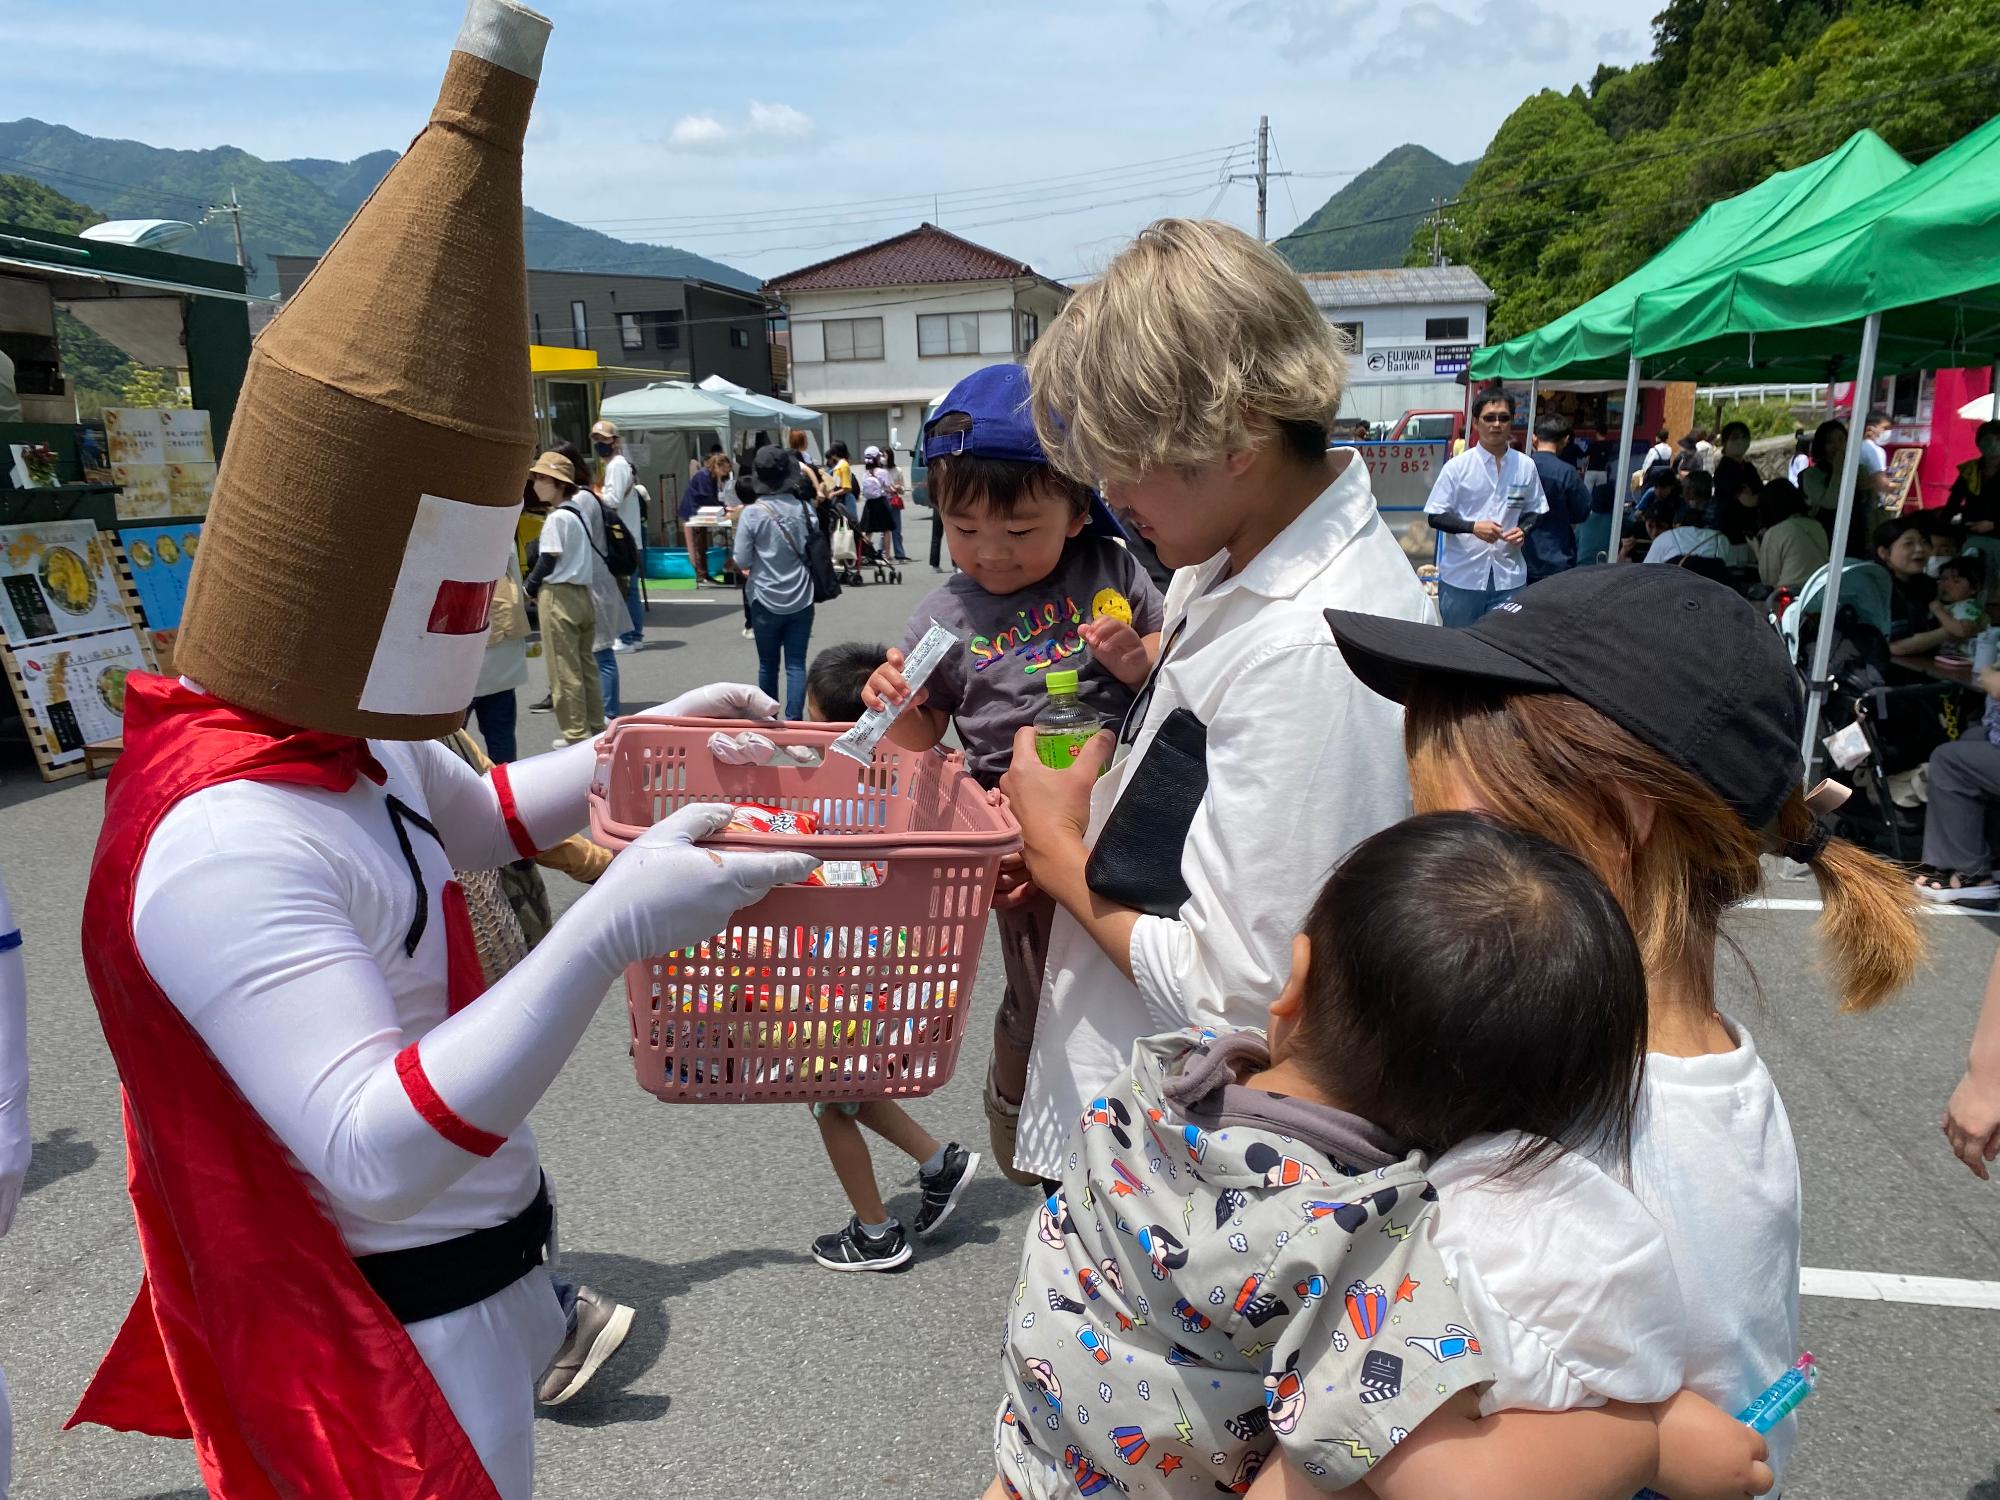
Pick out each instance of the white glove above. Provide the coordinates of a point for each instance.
(749, 748)
(662, 893)
(724, 700)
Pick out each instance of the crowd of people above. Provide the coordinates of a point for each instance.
(1363, 1188)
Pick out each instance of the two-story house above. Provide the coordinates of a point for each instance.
(1411, 332)
(879, 333)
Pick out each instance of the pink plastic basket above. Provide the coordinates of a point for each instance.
(815, 993)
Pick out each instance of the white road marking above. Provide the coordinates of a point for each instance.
(1802, 903)
(1885, 1286)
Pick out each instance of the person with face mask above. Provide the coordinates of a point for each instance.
(1974, 501)
(619, 491)
(1737, 486)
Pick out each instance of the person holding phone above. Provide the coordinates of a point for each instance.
(1482, 502)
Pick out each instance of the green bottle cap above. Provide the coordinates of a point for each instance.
(1060, 682)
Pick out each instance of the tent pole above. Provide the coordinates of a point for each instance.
(1621, 477)
(1843, 515)
(1530, 444)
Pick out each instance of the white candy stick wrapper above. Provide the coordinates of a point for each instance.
(860, 741)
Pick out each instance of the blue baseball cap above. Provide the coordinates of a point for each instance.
(995, 400)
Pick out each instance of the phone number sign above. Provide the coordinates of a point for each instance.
(1402, 472)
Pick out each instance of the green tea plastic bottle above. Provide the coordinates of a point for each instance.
(1064, 726)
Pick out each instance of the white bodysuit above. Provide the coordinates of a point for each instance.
(274, 917)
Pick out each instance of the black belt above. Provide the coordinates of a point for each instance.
(428, 1281)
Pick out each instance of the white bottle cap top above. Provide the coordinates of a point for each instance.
(505, 34)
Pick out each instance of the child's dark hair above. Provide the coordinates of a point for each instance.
(837, 675)
(746, 492)
(1968, 566)
(1468, 977)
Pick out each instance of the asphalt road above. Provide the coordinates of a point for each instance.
(752, 1371)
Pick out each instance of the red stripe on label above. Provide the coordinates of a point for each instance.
(437, 1114)
(461, 608)
(510, 814)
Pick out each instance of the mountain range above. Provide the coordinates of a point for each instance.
(289, 207)
(1370, 223)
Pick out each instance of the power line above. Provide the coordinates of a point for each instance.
(103, 182)
(947, 195)
(1297, 217)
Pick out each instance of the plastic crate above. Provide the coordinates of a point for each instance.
(668, 562)
(718, 561)
(817, 992)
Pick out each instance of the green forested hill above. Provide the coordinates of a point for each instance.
(289, 208)
(1579, 189)
(1366, 224)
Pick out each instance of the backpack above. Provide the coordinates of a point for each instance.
(620, 552)
(817, 556)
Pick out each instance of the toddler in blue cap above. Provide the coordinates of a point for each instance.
(1040, 589)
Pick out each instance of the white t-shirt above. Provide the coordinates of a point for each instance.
(1282, 804)
(1712, 1158)
(1874, 457)
(1688, 541)
(1476, 486)
(1567, 1277)
(563, 537)
(1799, 464)
(582, 554)
(620, 491)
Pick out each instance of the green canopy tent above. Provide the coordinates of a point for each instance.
(1595, 340)
(1917, 267)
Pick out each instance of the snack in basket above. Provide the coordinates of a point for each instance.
(859, 742)
(755, 817)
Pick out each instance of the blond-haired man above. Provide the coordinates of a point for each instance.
(1194, 383)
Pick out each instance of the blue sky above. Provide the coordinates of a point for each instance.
(770, 135)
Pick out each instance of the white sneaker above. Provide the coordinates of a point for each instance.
(749, 634)
(624, 648)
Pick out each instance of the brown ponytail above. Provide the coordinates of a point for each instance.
(1555, 766)
(1868, 924)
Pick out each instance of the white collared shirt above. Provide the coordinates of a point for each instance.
(1477, 487)
(1303, 763)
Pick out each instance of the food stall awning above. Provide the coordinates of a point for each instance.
(91, 282)
(555, 362)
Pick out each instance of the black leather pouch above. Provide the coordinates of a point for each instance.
(1136, 861)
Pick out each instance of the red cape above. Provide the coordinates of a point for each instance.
(253, 1333)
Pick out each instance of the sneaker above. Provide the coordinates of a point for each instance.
(749, 634)
(852, 1249)
(1952, 886)
(1003, 1124)
(941, 1188)
(546, 706)
(601, 1326)
(624, 648)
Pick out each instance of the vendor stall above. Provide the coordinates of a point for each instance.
(669, 424)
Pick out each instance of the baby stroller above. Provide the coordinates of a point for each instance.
(833, 524)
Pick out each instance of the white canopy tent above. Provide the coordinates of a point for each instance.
(803, 418)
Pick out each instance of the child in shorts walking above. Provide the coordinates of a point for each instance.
(874, 1239)
(1038, 590)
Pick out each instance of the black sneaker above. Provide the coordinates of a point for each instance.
(853, 1249)
(546, 706)
(941, 1188)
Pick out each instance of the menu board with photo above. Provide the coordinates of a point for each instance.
(162, 460)
(57, 578)
(74, 691)
(162, 559)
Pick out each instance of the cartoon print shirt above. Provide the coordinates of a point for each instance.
(1227, 1278)
(993, 686)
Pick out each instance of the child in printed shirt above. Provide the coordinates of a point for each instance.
(1960, 607)
(1237, 1276)
(874, 1240)
(1038, 590)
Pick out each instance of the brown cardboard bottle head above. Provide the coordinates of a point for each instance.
(366, 502)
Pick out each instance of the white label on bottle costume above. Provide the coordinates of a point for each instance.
(434, 636)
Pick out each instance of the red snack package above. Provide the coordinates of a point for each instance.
(754, 817)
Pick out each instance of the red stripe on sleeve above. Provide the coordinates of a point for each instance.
(439, 1115)
(510, 814)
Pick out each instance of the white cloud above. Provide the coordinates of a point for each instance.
(1312, 28)
(1497, 30)
(760, 124)
(1620, 47)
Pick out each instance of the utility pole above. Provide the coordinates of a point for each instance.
(1263, 170)
(234, 210)
(1263, 175)
(1437, 228)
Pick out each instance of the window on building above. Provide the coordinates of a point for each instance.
(947, 333)
(666, 328)
(739, 338)
(1447, 330)
(1350, 334)
(1027, 328)
(853, 338)
(858, 429)
(630, 334)
(579, 326)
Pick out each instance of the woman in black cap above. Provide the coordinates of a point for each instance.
(1671, 773)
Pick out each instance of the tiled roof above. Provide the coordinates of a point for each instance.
(1338, 289)
(924, 256)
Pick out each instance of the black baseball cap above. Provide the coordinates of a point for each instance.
(1680, 662)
